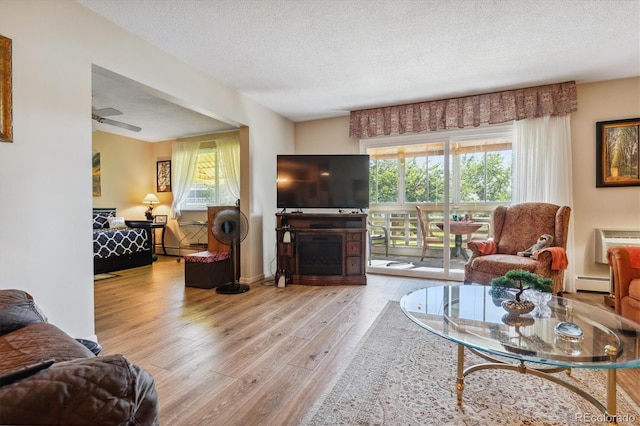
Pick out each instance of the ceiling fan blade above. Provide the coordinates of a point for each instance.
(115, 123)
(106, 112)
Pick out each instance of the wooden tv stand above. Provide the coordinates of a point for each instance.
(324, 249)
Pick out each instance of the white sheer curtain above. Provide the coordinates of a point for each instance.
(542, 170)
(183, 163)
(229, 155)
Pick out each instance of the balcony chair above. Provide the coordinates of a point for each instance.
(426, 232)
(625, 263)
(378, 235)
(516, 229)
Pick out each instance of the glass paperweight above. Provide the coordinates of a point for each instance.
(569, 332)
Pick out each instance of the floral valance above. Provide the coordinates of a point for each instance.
(489, 108)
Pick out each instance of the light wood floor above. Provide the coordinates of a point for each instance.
(258, 358)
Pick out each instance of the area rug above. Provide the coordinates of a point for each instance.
(100, 277)
(404, 375)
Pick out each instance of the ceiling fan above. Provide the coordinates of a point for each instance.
(100, 114)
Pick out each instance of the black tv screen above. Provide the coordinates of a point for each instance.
(323, 181)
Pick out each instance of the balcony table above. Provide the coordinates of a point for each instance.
(459, 229)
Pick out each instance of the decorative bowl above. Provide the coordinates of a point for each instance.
(515, 307)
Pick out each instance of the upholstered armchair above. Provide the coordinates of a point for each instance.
(626, 281)
(516, 229)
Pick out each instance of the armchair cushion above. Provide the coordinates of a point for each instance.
(634, 257)
(634, 289)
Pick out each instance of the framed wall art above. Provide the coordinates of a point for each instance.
(163, 174)
(617, 146)
(95, 173)
(160, 219)
(6, 109)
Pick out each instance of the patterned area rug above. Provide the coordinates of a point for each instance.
(100, 277)
(404, 375)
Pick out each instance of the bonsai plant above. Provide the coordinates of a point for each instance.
(520, 280)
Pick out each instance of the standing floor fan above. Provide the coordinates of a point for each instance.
(230, 227)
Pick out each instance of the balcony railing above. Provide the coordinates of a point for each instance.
(405, 236)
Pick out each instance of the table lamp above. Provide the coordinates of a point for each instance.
(151, 199)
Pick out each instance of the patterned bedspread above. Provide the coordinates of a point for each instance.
(116, 242)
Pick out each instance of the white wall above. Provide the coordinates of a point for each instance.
(45, 174)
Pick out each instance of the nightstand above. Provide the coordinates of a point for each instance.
(155, 226)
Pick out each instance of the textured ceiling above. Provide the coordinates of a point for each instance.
(311, 59)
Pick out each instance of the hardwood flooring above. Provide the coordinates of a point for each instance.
(258, 358)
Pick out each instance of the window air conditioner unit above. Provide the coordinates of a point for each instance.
(606, 238)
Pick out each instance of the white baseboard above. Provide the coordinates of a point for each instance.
(598, 284)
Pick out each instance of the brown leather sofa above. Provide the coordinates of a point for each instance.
(626, 282)
(48, 377)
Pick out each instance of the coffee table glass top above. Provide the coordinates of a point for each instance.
(560, 332)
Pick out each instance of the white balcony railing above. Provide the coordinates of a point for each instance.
(405, 237)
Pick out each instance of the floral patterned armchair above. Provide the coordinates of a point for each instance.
(515, 229)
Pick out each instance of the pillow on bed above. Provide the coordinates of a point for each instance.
(100, 220)
(116, 222)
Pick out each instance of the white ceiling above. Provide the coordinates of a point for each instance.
(159, 119)
(312, 59)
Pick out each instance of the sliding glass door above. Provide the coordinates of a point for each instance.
(431, 194)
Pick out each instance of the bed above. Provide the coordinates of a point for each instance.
(118, 243)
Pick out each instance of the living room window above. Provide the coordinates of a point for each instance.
(209, 186)
(479, 172)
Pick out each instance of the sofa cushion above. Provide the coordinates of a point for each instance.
(17, 310)
(36, 343)
(105, 390)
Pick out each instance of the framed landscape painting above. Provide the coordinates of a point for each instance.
(617, 160)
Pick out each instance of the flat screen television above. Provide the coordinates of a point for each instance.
(323, 181)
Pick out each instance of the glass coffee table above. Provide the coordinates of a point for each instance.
(559, 335)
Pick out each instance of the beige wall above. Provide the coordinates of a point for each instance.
(593, 207)
(329, 136)
(124, 170)
(600, 207)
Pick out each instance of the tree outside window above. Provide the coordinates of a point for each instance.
(480, 173)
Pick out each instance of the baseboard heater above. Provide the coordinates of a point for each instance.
(598, 284)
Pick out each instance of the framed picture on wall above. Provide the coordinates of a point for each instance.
(6, 118)
(163, 174)
(617, 157)
(160, 219)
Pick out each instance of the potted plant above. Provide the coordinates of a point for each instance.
(521, 281)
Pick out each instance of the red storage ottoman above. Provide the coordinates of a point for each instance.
(207, 269)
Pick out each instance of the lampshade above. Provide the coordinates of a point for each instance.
(151, 199)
